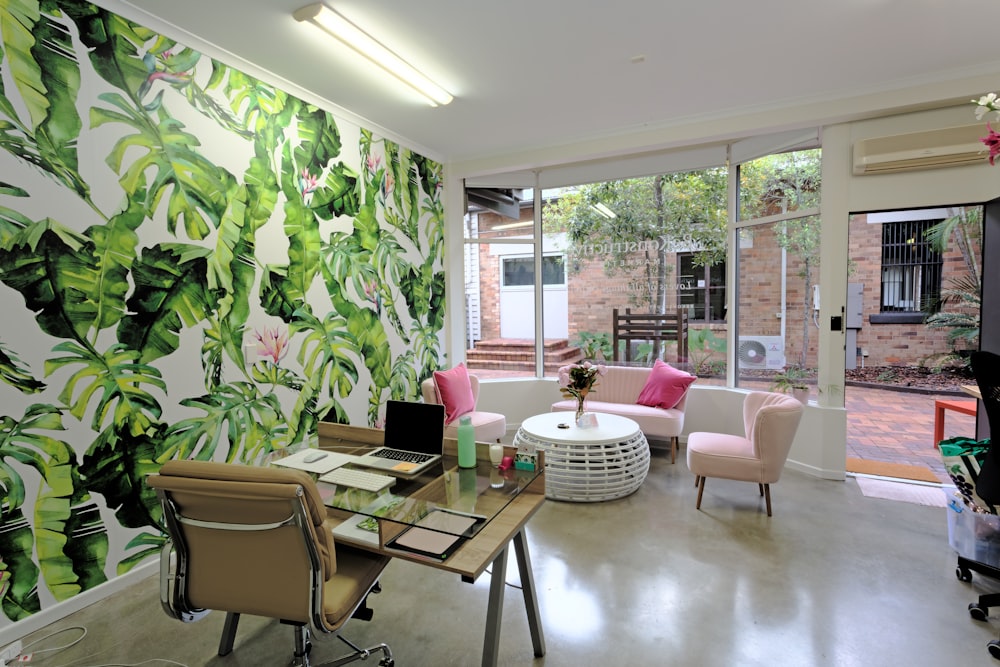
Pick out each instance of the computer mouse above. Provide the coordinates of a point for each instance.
(315, 456)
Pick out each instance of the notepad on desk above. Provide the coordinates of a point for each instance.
(437, 535)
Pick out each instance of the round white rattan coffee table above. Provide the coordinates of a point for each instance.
(603, 462)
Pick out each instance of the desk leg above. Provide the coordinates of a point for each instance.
(494, 612)
(528, 588)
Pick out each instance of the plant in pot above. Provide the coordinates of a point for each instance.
(793, 380)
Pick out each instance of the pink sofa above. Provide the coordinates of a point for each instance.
(616, 393)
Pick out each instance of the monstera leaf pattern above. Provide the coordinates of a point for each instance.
(198, 268)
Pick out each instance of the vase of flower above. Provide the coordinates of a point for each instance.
(577, 381)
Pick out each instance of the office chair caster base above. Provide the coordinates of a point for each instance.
(978, 612)
(963, 573)
(994, 648)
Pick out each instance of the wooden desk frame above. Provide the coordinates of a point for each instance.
(491, 546)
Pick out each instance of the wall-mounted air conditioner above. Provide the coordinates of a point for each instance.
(930, 149)
(761, 352)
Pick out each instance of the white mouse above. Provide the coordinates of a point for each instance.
(313, 457)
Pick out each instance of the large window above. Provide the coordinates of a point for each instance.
(701, 289)
(911, 268)
(777, 267)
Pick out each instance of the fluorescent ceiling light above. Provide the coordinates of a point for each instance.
(323, 17)
(604, 210)
(513, 225)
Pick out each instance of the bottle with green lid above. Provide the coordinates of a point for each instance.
(466, 443)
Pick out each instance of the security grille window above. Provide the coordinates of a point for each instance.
(701, 289)
(911, 268)
(520, 271)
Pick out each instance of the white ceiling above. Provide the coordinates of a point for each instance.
(536, 74)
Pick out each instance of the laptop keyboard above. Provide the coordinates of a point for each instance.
(400, 455)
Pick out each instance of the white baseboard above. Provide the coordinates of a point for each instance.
(35, 622)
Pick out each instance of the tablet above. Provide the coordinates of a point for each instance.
(427, 539)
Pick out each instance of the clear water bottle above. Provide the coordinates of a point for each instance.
(466, 443)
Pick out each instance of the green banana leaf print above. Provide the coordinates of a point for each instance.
(194, 265)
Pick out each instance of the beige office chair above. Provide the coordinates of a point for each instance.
(251, 540)
(488, 425)
(770, 421)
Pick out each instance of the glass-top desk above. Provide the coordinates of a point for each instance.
(476, 494)
(501, 504)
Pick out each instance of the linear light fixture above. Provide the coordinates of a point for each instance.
(513, 225)
(604, 210)
(336, 25)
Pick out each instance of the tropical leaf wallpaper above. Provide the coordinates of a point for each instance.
(194, 264)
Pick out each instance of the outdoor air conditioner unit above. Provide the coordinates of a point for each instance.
(930, 149)
(763, 352)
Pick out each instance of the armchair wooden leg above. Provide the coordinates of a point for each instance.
(760, 487)
(701, 490)
(696, 479)
(673, 449)
(767, 498)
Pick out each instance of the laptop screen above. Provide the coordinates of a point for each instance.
(414, 427)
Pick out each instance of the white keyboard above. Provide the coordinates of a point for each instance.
(358, 479)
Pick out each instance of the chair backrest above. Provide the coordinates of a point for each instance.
(248, 539)
(986, 368)
(771, 420)
(429, 390)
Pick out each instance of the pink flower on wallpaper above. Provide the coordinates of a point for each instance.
(272, 343)
(388, 184)
(307, 182)
(371, 291)
(373, 163)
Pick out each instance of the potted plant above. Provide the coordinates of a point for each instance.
(793, 380)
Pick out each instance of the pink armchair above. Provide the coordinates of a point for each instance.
(488, 425)
(770, 421)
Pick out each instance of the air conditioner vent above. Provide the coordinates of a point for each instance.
(930, 149)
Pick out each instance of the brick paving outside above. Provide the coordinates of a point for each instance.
(898, 426)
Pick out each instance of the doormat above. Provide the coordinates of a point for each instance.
(896, 470)
(932, 496)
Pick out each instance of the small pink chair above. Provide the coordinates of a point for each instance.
(488, 425)
(770, 421)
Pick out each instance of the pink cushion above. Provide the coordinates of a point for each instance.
(455, 390)
(665, 386)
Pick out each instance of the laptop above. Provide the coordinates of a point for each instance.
(414, 438)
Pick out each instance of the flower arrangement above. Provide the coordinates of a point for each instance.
(578, 380)
(989, 104)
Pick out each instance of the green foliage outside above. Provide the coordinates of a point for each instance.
(957, 309)
(706, 351)
(594, 345)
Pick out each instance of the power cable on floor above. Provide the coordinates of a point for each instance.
(27, 650)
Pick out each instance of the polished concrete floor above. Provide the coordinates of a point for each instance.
(833, 578)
